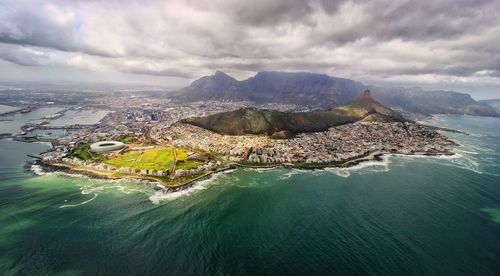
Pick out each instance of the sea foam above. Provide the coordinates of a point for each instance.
(37, 170)
(363, 167)
(79, 204)
(163, 195)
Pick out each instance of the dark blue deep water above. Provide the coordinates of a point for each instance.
(403, 216)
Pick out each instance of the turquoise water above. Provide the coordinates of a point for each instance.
(401, 216)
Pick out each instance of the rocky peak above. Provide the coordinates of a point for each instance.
(220, 74)
(366, 95)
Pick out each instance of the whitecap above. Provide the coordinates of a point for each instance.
(259, 170)
(466, 151)
(163, 195)
(478, 135)
(250, 184)
(291, 173)
(200, 185)
(86, 191)
(363, 167)
(37, 170)
(79, 204)
(342, 173)
(126, 189)
(409, 156)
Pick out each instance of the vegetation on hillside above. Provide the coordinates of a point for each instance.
(317, 90)
(281, 124)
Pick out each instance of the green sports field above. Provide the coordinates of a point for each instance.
(153, 159)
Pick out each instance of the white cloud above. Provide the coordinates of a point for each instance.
(438, 43)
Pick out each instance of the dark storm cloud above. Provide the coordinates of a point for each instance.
(409, 41)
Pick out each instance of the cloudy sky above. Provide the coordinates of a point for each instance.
(448, 44)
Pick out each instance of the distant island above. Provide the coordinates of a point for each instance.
(177, 155)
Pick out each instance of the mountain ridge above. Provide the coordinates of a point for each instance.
(276, 123)
(323, 91)
(494, 103)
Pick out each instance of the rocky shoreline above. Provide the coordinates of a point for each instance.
(372, 156)
(108, 176)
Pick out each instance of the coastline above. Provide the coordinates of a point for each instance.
(371, 156)
(169, 187)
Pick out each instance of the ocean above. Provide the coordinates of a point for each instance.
(403, 215)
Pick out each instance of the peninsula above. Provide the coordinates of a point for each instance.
(193, 148)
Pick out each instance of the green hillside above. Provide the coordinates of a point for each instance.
(257, 121)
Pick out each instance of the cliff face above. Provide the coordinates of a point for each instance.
(317, 90)
(274, 87)
(257, 121)
(220, 86)
(297, 88)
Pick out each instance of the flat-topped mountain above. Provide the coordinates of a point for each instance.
(278, 87)
(323, 91)
(270, 122)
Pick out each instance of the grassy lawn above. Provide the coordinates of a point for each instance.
(152, 159)
(83, 152)
(187, 164)
(128, 139)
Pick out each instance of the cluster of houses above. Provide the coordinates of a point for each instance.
(209, 166)
(55, 154)
(337, 144)
(350, 141)
(127, 170)
(234, 147)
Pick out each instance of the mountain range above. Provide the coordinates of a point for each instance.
(285, 124)
(323, 91)
(494, 103)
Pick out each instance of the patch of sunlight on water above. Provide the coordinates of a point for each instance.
(493, 213)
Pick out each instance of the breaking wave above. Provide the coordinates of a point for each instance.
(291, 173)
(363, 167)
(79, 204)
(37, 170)
(163, 195)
